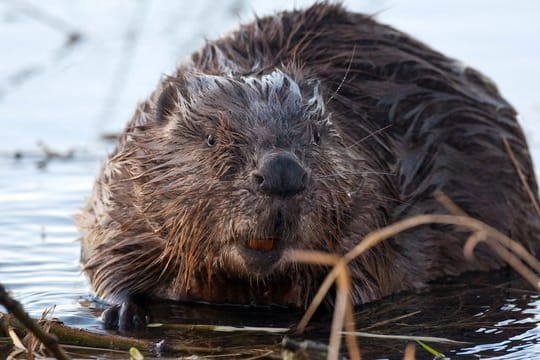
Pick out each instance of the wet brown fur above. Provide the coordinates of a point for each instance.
(396, 120)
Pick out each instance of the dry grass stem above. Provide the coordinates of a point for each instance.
(343, 308)
(391, 320)
(410, 352)
(17, 343)
(378, 236)
(470, 244)
(352, 343)
(432, 339)
(508, 250)
(522, 178)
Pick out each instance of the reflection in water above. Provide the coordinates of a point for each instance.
(490, 311)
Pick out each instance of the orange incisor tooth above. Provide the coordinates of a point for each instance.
(261, 244)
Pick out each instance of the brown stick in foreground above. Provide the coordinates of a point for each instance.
(48, 340)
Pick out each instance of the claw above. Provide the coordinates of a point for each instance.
(127, 316)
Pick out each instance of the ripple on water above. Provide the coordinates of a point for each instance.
(39, 251)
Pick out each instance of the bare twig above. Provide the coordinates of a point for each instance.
(47, 18)
(123, 68)
(50, 341)
(522, 178)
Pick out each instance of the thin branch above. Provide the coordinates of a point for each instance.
(46, 18)
(48, 340)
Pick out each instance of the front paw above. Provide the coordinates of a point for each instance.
(127, 316)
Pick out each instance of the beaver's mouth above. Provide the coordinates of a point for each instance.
(259, 244)
(260, 254)
(262, 244)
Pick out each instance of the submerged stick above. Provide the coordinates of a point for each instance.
(15, 308)
(70, 337)
(431, 339)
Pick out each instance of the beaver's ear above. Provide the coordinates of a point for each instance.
(167, 103)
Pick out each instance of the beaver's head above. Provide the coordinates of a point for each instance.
(237, 171)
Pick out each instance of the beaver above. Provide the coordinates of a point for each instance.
(306, 129)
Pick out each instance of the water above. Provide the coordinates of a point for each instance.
(38, 260)
(66, 94)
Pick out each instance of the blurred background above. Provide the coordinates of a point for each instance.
(74, 70)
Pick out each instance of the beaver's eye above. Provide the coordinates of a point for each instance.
(211, 140)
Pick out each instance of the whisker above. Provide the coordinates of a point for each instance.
(344, 76)
(372, 134)
(359, 172)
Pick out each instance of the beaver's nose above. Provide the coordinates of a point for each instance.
(280, 174)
